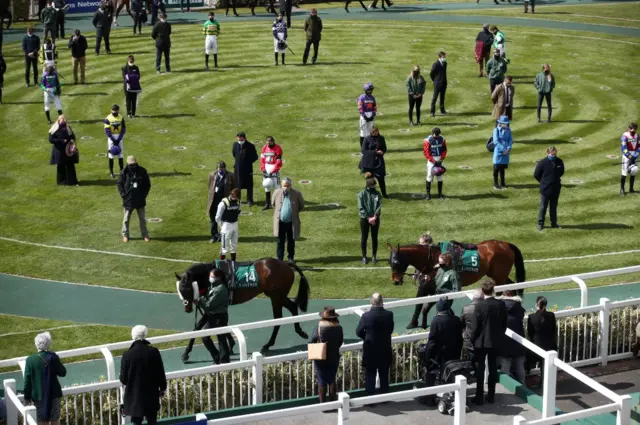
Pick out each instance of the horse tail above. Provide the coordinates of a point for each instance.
(302, 299)
(519, 263)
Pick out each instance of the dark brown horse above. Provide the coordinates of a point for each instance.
(497, 258)
(275, 279)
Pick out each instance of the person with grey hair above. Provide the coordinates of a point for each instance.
(467, 317)
(142, 372)
(287, 204)
(41, 385)
(375, 329)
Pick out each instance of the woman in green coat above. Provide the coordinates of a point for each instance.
(369, 206)
(41, 384)
(416, 85)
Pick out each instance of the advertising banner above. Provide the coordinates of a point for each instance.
(82, 6)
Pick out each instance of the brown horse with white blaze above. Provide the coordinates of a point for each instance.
(275, 279)
(497, 258)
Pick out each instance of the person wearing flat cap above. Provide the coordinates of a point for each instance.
(445, 335)
(134, 186)
(330, 332)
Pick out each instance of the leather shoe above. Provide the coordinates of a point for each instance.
(540, 227)
(364, 260)
(373, 260)
(556, 226)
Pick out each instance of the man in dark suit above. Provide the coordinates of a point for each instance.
(30, 48)
(142, 372)
(439, 77)
(375, 329)
(102, 20)
(549, 172)
(161, 33)
(245, 154)
(490, 324)
(541, 330)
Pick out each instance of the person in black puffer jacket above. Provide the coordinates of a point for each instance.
(513, 354)
(134, 186)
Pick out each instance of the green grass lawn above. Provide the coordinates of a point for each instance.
(616, 14)
(250, 94)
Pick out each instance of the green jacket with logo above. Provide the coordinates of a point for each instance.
(217, 300)
(48, 16)
(447, 281)
(416, 85)
(496, 69)
(369, 203)
(542, 83)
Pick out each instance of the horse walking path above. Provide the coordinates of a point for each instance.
(111, 306)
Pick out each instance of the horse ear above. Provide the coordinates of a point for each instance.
(177, 276)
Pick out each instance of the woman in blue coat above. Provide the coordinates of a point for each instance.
(503, 140)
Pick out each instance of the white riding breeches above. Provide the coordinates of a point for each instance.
(229, 233)
(110, 144)
(211, 44)
(50, 97)
(628, 170)
(430, 166)
(366, 126)
(280, 36)
(275, 182)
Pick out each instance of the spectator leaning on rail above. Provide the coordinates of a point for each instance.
(513, 353)
(541, 330)
(134, 186)
(330, 332)
(468, 320)
(41, 385)
(375, 329)
(142, 373)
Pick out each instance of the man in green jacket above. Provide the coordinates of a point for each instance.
(496, 69)
(215, 305)
(48, 17)
(545, 83)
(369, 207)
(313, 28)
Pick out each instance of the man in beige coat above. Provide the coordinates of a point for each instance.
(220, 184)
(287, 204)
(502, 98)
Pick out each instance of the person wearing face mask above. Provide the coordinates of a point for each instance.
(548, 173)
(211, 31)
(279, 30)
(245, 154)
(499, 41)
(435, 151)
(216, 308)
(270, 165)
(496, 70)
(131, 78)
(115, 128)
(373, 150)
(134, 186)
(30, 48)
(416, 86)
(367, 108)
(630, 147)
(502, 98)
(227, 218)
(369, 208)
(502, 153)
(48, 17)
(447, 278)
(484, 40)
(50, 84)
(544, 83)
(63, 140)
(161, 33)
(287, 204)
(313, 29)
(220, 184)
(438, 76)
(102, 22)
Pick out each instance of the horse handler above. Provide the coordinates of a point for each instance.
(216, 306)
(227, 219)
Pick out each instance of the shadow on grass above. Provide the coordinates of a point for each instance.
(325, 208)
(536, 186)
(578, 121)
(269, 238)
(468, 114)
(182, 238)
(404, 150)
(169, 116)
(597, 226)
(331, 63)
(525, 107)
(23, 103)
(173, 173)
(545, 142)
(96, 121)
(475, 196)
(86, 94)
(333, 259)
(98, 182)
(94, 83)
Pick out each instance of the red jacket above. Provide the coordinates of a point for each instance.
(435, 147)
(271, 158)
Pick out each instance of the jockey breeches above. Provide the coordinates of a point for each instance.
(229, 233)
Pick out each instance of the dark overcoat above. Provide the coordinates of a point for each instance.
(375, 329)
(142, 372)
(59, 139)
(445, 338)
(515, 322)
(134, 186)
(369, 160)
(490, 322)
(245, 155)
(542, 331)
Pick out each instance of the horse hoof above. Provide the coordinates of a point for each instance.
(184, 357)
(412, 325)
(304, 335)
(264, 349)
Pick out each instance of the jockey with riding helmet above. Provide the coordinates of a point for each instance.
(227, 218)
(211, 31)
(630, 147)
(115, 128)
(435, 151)
(368, 109)
(279, 30)
(270, 164)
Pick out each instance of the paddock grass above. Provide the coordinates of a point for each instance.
(592, 109)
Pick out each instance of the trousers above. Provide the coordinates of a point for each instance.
(550, 201)
(167, 61)
(417, 102)
(364, 236)
(217, 321)
(438, 91)
(370, 379)
(212, 216)
(29, 63)
(491, 357)
(316, 46)
(285, 232)
(141, 218)
(547, 98)
(132, 102)
(107, 44)
(79, 63)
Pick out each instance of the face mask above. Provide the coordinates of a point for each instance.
(211, 19)
(212, 279)
(132, 165)
(115, 114)
(443, 59)
(497, 55)
(241, 142)
(62, 124)
(130, 63)
(547, 72)
(286, 190)
(551, 157)
(632, 132)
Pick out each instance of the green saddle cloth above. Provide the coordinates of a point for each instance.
(245, 276)
(464, 260)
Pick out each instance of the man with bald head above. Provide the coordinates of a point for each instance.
(375, 329)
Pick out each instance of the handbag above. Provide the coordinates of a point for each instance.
(318, 350)
(491, 145)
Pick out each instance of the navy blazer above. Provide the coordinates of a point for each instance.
(375, 329)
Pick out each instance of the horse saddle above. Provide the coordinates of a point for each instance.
(240, 275)
(465, 255)
(465, 245)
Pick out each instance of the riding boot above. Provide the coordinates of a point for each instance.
(59, 112)
(283, 59)
(121, 163)
(215, 60)
(424, 318)
(111, 167)
(440, 195)
(428, 191)
(233, 256)
(414, 319)
(623, 180)
(267, 201)
(223, 257)
(361, 140)
(49, 119)
(632, 180)
(206, 61)
(276, 56)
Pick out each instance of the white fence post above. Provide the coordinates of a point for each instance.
(584, 292)
(111, 365)
(242, 342)
(603, 322)
(624, 414)
(460, 401)
(258, 360)
(549, 387)
(343, 410)
(518, 420)
(30, 412)
(23, 365)
(12, 410)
